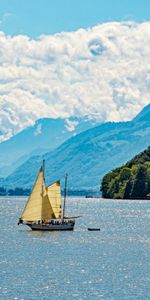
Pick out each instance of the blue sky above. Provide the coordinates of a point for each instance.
(36, 17)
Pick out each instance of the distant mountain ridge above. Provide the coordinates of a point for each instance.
(88, 156)
(45, 135)
(143, 115)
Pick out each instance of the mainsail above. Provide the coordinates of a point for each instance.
(38, 206)
(54, 195)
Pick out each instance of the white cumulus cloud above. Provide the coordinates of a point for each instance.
(103, 72)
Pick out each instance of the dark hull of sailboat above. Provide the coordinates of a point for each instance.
(52, 227)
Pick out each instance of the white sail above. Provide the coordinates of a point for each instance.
(38, 206)
(54, 195)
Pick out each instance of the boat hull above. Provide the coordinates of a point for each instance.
(52, 227)
(93, 229)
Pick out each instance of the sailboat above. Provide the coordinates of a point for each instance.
(43, 210)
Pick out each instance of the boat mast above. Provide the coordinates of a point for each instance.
(43, 166)
(65, 196)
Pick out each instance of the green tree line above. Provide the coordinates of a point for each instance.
(14, 192)
(130, 181)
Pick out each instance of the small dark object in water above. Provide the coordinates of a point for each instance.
(93, 229)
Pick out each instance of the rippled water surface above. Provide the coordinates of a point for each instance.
(111, 264)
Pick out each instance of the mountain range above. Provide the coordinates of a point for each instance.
(45, 135)
(87, 156)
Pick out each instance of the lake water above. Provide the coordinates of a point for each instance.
(111, 264)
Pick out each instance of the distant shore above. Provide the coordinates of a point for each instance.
(26, 192)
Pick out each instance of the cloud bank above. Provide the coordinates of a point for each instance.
(102, 72)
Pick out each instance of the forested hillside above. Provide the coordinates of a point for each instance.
(131, 181)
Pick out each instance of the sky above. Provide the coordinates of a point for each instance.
(37, 17)
(72, 58)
